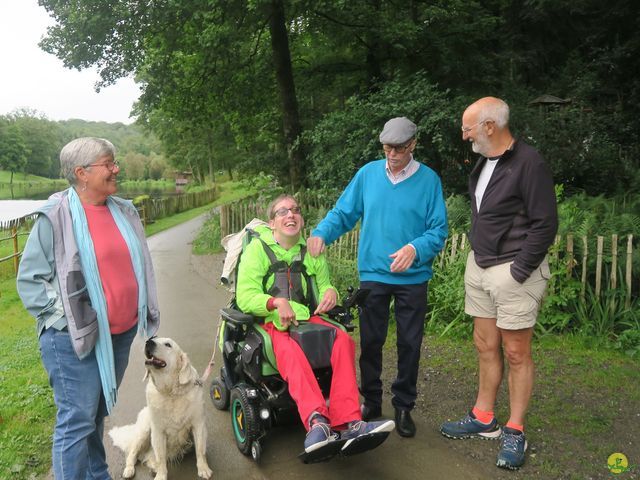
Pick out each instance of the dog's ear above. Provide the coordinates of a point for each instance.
(187, 372)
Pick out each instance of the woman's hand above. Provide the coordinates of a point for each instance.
(329, 300)
(285, 312)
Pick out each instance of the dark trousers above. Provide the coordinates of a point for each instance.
(410, 303)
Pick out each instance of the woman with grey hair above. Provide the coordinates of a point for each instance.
(87, 278)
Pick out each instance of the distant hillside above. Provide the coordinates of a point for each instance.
(126, 138)
(31, 144)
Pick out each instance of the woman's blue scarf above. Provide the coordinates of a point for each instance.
(104, 347)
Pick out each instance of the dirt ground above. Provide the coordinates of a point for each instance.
(575, 422)
(572, 427)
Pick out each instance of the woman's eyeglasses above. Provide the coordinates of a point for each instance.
(110, 165)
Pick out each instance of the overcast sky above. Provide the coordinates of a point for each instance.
(37, 80)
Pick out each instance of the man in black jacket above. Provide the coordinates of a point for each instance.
(513, 223)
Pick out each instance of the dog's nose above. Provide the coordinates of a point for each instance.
(149, 346)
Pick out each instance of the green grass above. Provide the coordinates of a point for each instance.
(229, 192)
(27, 410)
(234, 190)
(168, 222)
(5, 177)
(584, 406)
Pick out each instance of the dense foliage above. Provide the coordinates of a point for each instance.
(237, 83)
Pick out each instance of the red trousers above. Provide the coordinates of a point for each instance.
(344, 400)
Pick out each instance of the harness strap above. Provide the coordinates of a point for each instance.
(288, 278)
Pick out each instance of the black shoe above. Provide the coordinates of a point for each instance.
(404, 423)
(370, 413)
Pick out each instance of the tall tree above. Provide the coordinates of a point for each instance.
(13, 150)
(40, 137)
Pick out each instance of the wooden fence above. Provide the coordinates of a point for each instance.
(150, 209)
(16, 252)
(574, 262)
(571, 255)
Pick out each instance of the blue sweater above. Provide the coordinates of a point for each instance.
(412, 211)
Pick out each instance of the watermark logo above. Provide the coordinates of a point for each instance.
(618, 463)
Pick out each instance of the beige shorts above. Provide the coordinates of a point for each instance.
(493, 293)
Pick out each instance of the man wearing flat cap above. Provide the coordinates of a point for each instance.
(404, 225)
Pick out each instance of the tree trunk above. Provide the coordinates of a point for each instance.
(284, 77)
(212, 176)
(374, 68)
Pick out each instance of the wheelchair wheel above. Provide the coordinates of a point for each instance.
(256, 451)
(244, 420)
(219, 394)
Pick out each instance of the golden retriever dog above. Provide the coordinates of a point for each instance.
(173, 417)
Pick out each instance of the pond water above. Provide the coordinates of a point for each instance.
(11, 209)
(23, 203)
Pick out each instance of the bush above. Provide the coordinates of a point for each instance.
(446, 299)
(347, 139)
(208, 239)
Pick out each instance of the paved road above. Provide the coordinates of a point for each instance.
(189, 301)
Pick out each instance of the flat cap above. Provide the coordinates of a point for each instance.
(398, 131)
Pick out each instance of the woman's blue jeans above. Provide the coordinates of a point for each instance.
(78, 451)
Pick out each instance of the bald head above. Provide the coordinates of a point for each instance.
(485, 123)
(490, 108)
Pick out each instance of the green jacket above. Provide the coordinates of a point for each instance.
(254, 264)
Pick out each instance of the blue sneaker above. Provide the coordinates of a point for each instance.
(361, 436)
(470, 427)
(319, 435)
(512, 449)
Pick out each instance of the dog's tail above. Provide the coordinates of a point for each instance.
(123, 437)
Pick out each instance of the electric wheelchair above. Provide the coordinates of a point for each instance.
(249, 385)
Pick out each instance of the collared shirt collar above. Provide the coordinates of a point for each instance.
(406, 172)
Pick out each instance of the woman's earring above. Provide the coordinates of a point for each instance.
(84, 187)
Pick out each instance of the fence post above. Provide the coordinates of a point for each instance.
(569, 255)
(16, 258)
(443, 252)
(553, 262)
(600, 248)
(583, 277)
(223, 221)
(613, 281)
(454, 248)
(627, 302)
(613, 278)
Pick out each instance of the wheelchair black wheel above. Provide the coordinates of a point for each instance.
(244, 420)
(256, 451)
(219, 394)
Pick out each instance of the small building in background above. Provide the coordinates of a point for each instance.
(546, 100)
(183, 179)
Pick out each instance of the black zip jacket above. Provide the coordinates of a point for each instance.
(518, 217)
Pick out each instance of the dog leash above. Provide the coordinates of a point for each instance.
(207, 370)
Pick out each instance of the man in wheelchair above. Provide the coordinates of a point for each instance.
(273, 283)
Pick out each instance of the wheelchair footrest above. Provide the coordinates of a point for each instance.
(322, 454)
